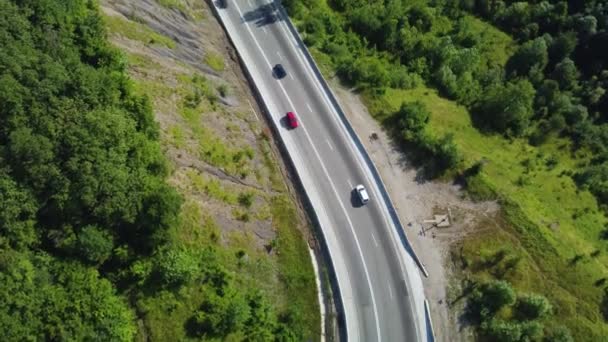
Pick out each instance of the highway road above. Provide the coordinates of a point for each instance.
(367, 256)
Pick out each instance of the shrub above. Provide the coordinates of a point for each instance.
(411, 118)
(532, 306)
(491, 296)
(246, 199)
(507, 108)
(177, 266)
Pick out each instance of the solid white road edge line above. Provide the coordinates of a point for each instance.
(350, 224)
(253, 110)
(315, 266)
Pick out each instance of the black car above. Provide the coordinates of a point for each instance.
(278, 71)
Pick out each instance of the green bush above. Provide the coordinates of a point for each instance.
(177, 266)
(532, 306)
(507, 108)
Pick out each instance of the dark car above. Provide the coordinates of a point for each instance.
(278, 71)
(222, 3)
(292, 120)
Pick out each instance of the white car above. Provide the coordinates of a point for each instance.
(363, 196)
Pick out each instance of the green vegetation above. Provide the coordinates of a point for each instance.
(137, 31)
(302, 312)
(526, 125)
(192, 8)
(198, 96)
(92, 238)
(215, 61)
(174, 4)
(82, 177)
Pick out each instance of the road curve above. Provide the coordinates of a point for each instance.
(371, 266)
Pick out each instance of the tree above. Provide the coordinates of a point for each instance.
(221, 314)
(491, 296)
(507, 108)
(411, 118)
(532, 306)
(94, 245)
(17, 210)
(262, 322)
(369, 72)
(177, 266)
(503, 331)
(531, 54)
(562, 46)
(531, 331)
(566, 74)
(446, 153)
(558, 334)
(42, 298)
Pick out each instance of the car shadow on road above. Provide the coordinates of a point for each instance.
(355, 201)
(221, 3)
(283, 122)
(263, 15)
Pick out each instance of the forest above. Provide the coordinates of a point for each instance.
(533, 74)
(85, 208)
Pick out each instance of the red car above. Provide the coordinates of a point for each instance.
(292, 121)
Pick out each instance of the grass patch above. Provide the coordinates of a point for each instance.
(136, 31)
(214, 61)
(193, 9)
(212, 188)
(142, 62)
(174, 4)
(198, 96)
(276, 181)
(494, 45)
(295, 266)
(177, 137)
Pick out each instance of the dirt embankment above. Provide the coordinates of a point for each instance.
(224, 160)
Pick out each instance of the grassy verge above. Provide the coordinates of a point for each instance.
(297, 271)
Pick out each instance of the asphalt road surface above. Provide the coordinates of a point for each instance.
(376, 293)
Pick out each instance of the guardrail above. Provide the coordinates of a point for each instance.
(391, 208)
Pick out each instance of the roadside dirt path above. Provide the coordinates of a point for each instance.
(417, 201)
